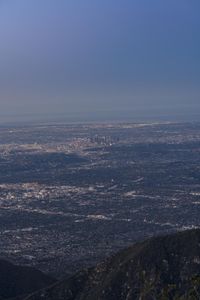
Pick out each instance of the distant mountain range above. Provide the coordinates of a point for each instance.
(165, 267)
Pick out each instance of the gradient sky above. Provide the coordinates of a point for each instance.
(99, 57)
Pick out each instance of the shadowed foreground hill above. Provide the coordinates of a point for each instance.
(17, 280)
(166, 267)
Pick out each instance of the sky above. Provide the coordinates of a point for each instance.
(99, 58)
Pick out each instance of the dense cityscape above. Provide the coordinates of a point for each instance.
(70, 195)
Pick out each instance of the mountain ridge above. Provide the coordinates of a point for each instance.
(18, 280)
(163, 267)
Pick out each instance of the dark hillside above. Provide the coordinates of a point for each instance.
(18, 280)
(166, 267)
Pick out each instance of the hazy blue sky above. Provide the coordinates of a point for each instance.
(91, 57)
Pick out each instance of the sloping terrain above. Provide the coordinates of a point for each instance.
(166, 267)
(18, 280)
